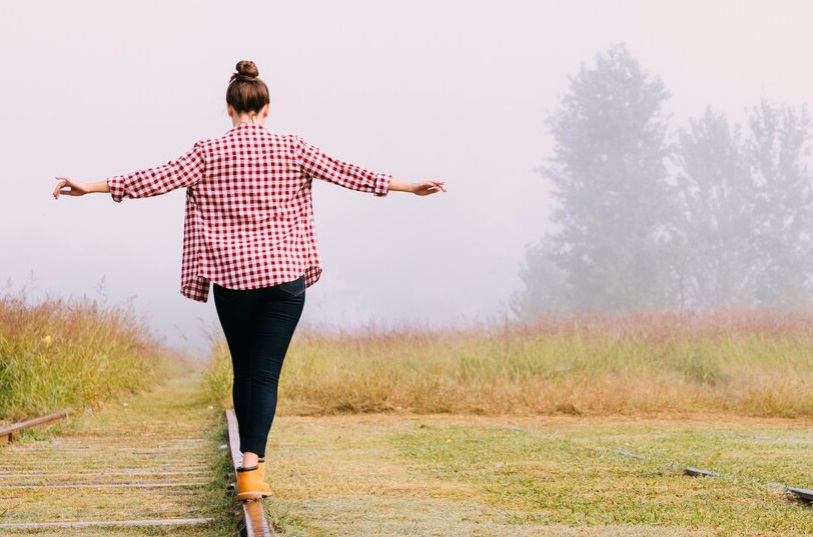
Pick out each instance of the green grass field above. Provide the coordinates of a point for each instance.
(388, 475)
(577, 427)
(531, 430)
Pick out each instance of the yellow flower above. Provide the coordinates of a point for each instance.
(47, 341)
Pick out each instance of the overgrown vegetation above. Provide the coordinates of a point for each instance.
(217, 379)
(744, 363)
(71, 353)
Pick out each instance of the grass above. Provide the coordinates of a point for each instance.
(570, 477)
(61, 353)
(167, 435)
(514, 430)
(217, 377)
(517, 430)
(740, 363)
(384, 475)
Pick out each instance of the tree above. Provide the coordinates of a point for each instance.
(717, 255)
(609, 177)
(545, 284)
(777, 151)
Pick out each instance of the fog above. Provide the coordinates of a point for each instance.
(450, 89)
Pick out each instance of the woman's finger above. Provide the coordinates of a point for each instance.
(432, 187)
(58, 189)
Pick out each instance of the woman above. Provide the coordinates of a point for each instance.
(248, 230)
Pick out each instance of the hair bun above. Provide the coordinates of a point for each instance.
(247, 69)
(246, 92)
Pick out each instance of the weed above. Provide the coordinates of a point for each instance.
(59, 354)
(745, 363)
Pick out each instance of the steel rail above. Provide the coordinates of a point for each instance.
(8, 434)
(254, 519)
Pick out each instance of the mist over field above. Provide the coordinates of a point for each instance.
(460, 91)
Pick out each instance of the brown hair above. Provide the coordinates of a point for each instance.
(246, 92)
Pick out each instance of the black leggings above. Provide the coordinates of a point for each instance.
(258, 325)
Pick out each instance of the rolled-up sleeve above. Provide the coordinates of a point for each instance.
(180, 173)
(315, 163)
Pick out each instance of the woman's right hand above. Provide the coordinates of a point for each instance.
(421, 188)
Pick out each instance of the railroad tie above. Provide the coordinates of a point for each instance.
(144, 464)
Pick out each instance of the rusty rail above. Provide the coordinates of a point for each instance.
(255, 523)
(8, 434)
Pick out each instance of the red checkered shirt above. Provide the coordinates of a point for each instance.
(249, 211)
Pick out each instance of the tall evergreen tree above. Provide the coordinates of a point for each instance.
(778, 150)
(609, 177)
(717, 256)
(545, 284)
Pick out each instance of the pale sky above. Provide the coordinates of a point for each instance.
(449, 89)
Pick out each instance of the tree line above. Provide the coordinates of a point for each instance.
(713, 215)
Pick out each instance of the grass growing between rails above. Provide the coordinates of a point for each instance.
(59, 354)
(742, 363)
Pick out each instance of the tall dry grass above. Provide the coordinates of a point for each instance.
(59, 353)
(746, 363)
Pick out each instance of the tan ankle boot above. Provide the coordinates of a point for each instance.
(261, 467)
(251, 484)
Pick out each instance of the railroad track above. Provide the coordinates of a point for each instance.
(132, 471)
(8, 434)
(252, 513)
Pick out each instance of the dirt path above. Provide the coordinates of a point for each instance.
(148, 461)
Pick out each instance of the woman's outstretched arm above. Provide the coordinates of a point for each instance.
(68, 187)
(317, 164)
(421, 188)
(179, 173)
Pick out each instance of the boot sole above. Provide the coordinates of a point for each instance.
(244, 496)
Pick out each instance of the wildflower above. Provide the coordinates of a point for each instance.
(47, 341)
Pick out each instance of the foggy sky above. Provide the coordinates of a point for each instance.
(448, 89)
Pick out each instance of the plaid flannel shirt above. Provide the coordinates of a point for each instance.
(249, 212)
